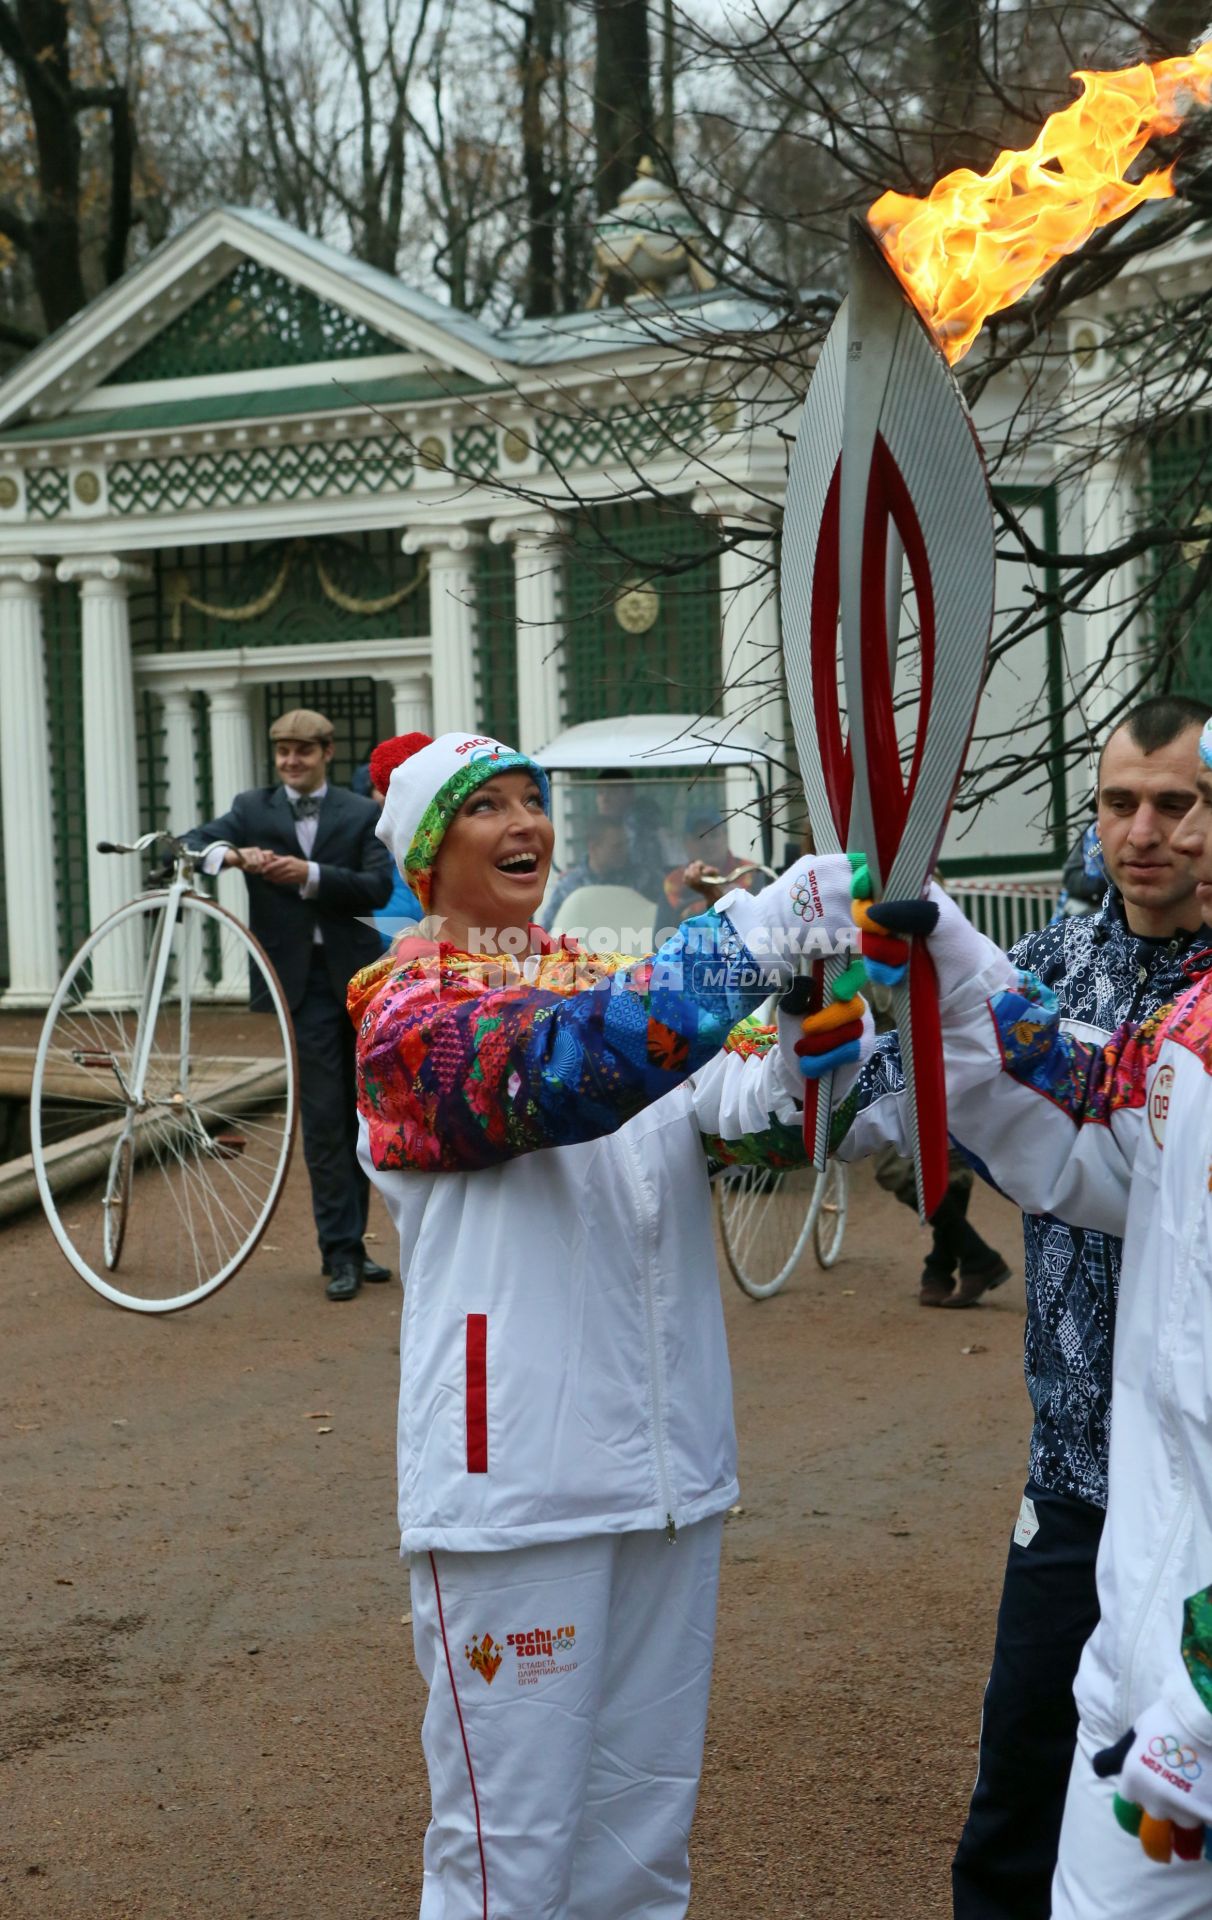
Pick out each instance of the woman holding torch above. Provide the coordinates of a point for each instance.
(538, 1121)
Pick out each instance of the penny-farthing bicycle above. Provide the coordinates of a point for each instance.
(163, 1099)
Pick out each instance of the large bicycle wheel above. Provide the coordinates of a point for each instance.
(156, 1201)
(765, 1220)
(829, 1227)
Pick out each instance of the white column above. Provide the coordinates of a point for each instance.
(232, 771)
(411, 708)
(111, 776)
(452, 621)
(181, 760)
(751, 657)
(538, 580)
(1112, 653)
(29, 847)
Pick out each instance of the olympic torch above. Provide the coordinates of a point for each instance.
(887, 482)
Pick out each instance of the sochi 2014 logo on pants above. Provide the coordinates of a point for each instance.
(806, 899)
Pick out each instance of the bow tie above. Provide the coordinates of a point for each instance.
(306, 807)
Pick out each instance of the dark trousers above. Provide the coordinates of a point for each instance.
(1004, 1863)
(340, 1191)
(957, 1246)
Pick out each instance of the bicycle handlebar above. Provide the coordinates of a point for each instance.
(179, 849)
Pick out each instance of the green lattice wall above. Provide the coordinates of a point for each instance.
(632, 431)
(366, 566)
(254, 318)
(1180, 476)
(153, 762)
(675, 665)
(65, 702)
(496, 642)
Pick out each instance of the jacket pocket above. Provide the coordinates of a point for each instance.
(476, 1393)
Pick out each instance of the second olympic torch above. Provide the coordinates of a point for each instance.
(887, 478)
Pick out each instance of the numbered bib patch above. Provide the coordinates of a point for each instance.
(1159, 1103)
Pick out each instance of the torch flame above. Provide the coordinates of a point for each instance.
(979, 242)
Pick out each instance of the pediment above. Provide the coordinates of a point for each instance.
(235, 294)
(251, 320)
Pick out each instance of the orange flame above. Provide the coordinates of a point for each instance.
(979, 242)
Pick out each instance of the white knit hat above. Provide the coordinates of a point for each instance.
(427, 790)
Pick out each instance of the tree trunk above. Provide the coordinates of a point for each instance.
(538, 46)
(622, 95)
(954, 27)
(54, 229)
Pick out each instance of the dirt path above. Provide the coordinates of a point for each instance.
(207, 1702)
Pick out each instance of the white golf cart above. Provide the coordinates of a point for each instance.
(634, 800)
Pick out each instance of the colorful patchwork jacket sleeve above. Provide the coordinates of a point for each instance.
(1055, 1119)
(459, 1070)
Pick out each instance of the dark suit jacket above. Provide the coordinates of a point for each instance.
(356, 873)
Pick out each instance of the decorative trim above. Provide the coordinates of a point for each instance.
(258, 474)
(46, 492)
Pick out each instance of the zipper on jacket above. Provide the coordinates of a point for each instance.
(654, 1371)
(1170, 952)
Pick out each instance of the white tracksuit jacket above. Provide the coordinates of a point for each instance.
(1116, 1137)
(563, 1364)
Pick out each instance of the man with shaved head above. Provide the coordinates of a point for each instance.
(1143, 947)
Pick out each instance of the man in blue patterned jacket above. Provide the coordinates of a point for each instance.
(1142, 947)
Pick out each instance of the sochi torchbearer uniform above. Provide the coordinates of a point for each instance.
(539, 1128)
(1116, 1137)
(1102, 975)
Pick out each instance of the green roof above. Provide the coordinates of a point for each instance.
(329, 396)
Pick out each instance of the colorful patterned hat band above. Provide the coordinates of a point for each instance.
(1205, 744)
(427, 790)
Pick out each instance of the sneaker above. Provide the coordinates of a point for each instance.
(973, 1286)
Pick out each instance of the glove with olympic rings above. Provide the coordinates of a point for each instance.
(1166, 1785)
(798, 918)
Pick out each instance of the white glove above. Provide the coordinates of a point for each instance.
(802, 916)
(1165, 1790)
(969, 966)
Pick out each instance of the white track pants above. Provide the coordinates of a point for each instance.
(564, 1733)
(1103, 1873)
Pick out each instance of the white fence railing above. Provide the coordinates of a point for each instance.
(1006, 909)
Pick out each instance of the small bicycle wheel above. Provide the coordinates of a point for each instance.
(829, 1227)
(158, 1187)
(765, 1220)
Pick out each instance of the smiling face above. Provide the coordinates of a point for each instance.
(302, 764)
(1143, 798)
(492, 866)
